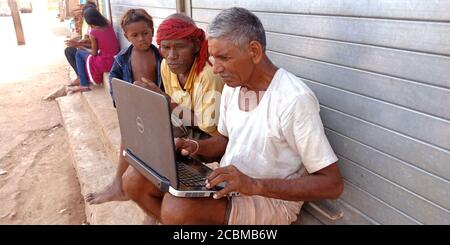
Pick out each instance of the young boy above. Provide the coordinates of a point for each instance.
(140, 62)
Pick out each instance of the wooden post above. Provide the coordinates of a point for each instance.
(180, 6)
(62, 10)
(188, 7)
(17, 23)
(184, 6)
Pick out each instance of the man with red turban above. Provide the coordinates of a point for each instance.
(187, 74)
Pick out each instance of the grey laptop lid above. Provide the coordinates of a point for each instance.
(146, 128)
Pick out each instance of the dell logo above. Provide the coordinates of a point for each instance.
(140, 125)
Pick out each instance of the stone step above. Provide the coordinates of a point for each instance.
(99, 105)
(94, 168)
(347, 215)
(106, 85)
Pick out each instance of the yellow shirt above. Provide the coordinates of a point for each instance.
(201, 94)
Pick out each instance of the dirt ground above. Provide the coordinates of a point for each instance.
(38, 184)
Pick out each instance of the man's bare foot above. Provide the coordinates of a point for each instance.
(74, 82)
(76, 89)
(112, 192)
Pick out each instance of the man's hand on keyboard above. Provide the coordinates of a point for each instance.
(235, 180)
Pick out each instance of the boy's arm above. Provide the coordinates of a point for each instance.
(116, 72)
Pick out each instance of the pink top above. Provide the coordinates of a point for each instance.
(108, 47)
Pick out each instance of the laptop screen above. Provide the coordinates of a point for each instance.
(145, 127)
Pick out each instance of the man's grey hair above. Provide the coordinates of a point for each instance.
(237, 25)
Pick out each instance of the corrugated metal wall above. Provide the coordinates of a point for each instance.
(158, 9)
(381, 71)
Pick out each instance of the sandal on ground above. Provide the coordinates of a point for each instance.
(76, 89)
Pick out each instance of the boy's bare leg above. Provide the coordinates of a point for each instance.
(114, 191)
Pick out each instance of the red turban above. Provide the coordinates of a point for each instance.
(172, 29)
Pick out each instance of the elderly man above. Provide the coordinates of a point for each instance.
(194, 92)
(275, 150)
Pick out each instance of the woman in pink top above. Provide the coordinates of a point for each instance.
(92, 64)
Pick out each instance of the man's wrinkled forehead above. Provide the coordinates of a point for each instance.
(219, 46)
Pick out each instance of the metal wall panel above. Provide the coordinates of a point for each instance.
(146, 3)
(390, 9)
(425, 156)
(411, 35)
(420, 126)
(159, 10)
(393, 169)
(413, 95)
(420, 67)
(374, 207)
(155, 12)
(402, 199)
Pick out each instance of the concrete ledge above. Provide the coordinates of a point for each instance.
(94, 168)
(347, 214)
(305, 218)
(106, 82)
(99, 105)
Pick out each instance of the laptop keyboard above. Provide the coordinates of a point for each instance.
(189, 176)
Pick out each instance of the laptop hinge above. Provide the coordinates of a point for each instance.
(161, 182)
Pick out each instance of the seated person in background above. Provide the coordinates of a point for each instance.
(91, 65)
(274, 147)
(187, 76)
(80, 42)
